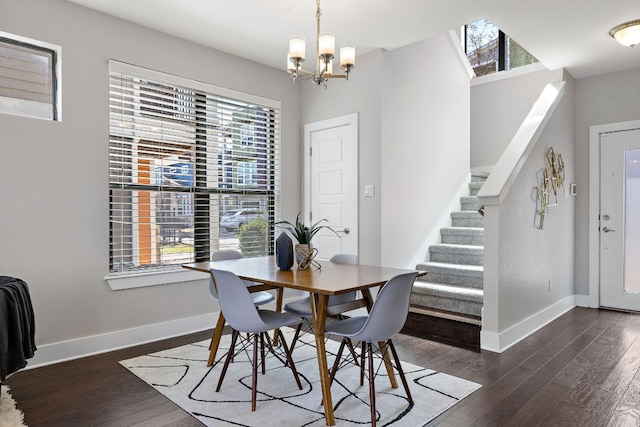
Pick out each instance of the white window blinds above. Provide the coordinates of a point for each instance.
(193, 169)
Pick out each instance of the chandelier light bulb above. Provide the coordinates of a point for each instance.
(326, 44)
(297, 47)
(347, 55)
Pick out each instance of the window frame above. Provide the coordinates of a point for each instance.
(56, 76)
(144, 277)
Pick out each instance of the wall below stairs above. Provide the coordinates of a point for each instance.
(529, 274)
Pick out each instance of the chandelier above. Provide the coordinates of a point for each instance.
(325, 48)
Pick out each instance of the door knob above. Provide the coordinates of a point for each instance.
(346, 230)
(607, 230)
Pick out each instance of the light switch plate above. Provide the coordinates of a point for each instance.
(369, 190)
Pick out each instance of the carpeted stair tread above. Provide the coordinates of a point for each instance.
(448, 291)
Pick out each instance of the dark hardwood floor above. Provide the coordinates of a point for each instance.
(580, 370)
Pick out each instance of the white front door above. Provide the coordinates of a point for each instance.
(331, 183)
(620, 219)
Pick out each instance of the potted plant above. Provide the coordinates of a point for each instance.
(303, 235)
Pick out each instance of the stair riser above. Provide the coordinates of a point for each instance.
(470, 204)
(447, 304)
(467, 222)
(463, 239)
(474, 187)
(479, 178)
(455, 279)
(454, 258)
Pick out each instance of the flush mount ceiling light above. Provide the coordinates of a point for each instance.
(325, 45)
(627, 34)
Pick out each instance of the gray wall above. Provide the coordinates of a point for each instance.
(610, 98)
(425, 145)
(362, 95)
(413, 144)
(54, 230)
(528, 257)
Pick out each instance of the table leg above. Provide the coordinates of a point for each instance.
(215, 340)
(366, 295)
(319, 316)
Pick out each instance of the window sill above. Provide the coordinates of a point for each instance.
(501, 75)
(140, 280)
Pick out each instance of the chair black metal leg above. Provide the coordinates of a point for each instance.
(400, 371)
(234, 338)
(372, 387)
(292, 366)
(254, 375)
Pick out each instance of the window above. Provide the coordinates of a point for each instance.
(28, 78)
(179, 161)
(490, 50)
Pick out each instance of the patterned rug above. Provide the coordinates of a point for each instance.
(182, 376)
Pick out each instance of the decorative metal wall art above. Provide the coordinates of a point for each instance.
(551, 182)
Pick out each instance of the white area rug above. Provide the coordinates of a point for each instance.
(9, 415)
(181, 375)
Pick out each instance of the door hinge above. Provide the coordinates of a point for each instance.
(310, 151)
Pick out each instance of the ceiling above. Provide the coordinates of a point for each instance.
(571, 34)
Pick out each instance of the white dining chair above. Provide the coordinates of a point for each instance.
(387, 317)
(302, 306)
(259, 298)
(244, 317)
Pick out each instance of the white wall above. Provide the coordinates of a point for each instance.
(499, 103)
(425, 144)
(54, 230)
(610, 98)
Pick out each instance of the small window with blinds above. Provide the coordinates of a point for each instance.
(193, 169)
(28, 78)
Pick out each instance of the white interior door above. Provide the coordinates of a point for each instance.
(620, 219)
(331, 183)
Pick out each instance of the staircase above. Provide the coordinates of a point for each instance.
(446, 304)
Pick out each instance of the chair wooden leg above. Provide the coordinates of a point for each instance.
(292, 366)
(262, 353)
(362, 353)
(336, 363)
(234, 337)
(295, 337)
(372, 387)
(400, 371)
(254, 375)
(353, 352)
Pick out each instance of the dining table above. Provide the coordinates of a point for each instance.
(321, 281)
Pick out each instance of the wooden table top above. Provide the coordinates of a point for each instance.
(333, 278)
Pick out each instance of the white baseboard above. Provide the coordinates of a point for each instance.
(48, 354)
(499, 342)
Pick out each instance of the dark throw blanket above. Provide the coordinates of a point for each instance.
(17, 326)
